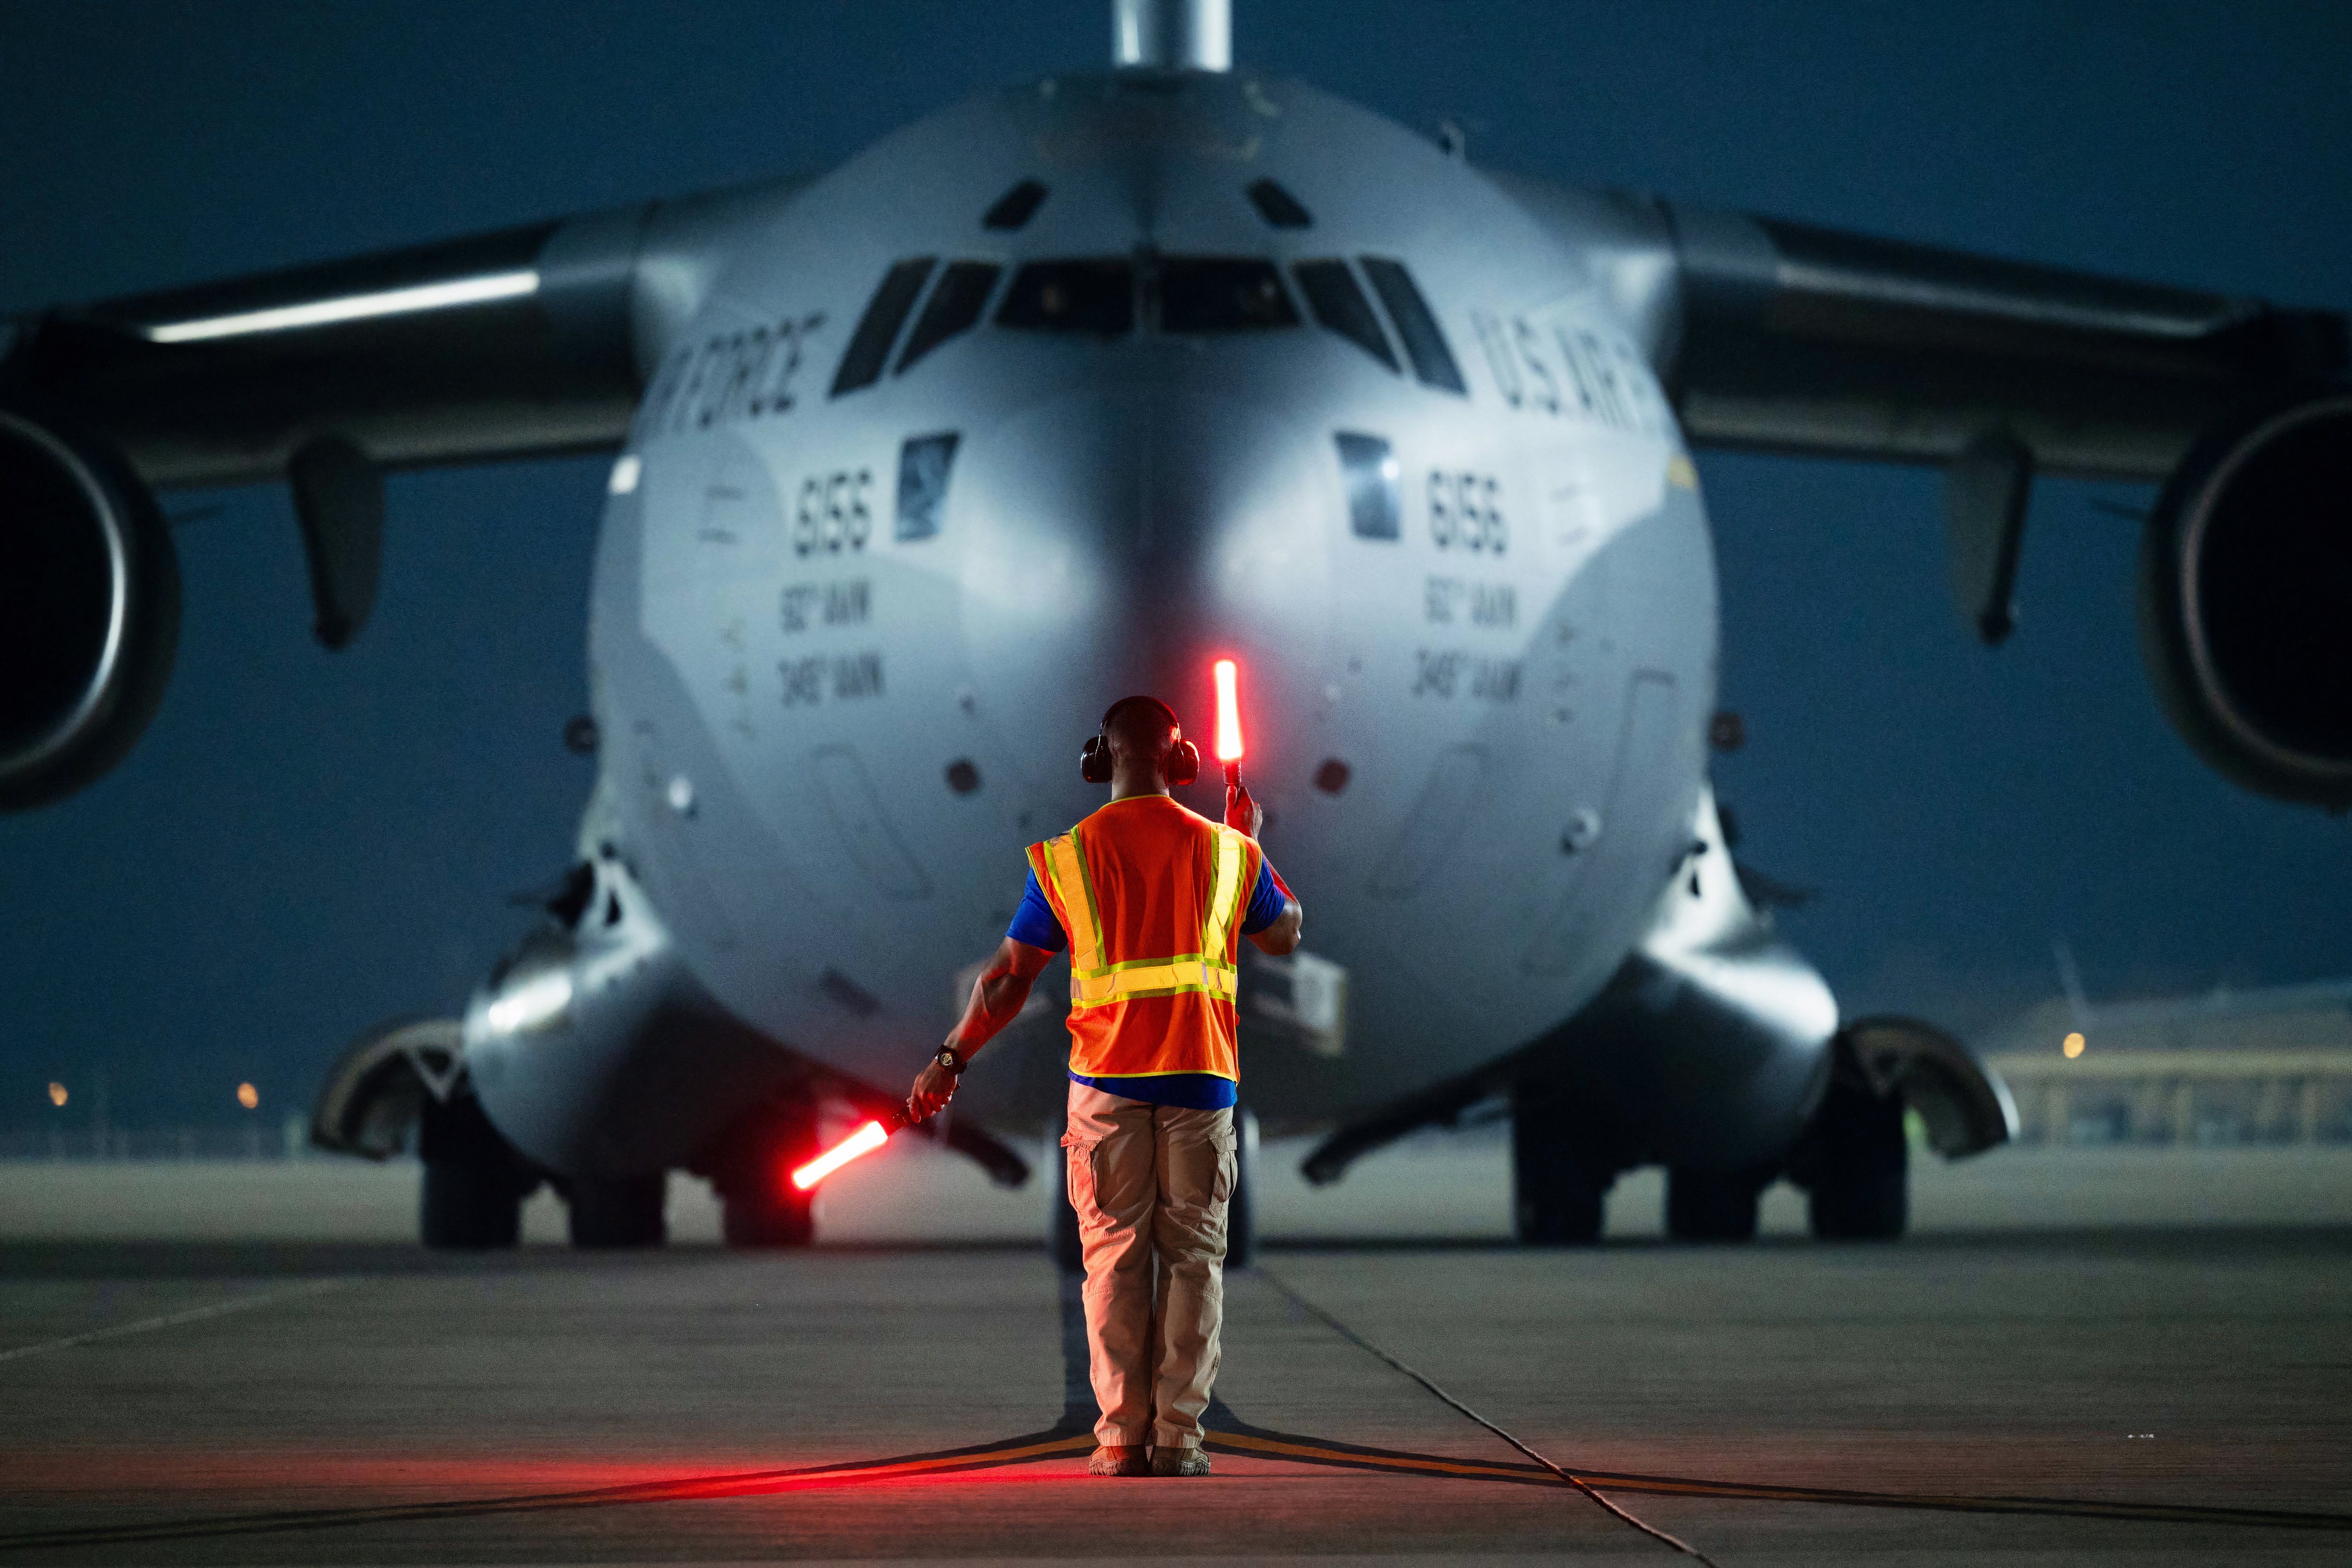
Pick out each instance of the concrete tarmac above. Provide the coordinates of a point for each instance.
(2179, 1395)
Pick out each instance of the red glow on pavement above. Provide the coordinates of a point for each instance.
(1229, 713)
(865, 1141)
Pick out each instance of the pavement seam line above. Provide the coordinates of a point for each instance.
(173, 1320)
(1361, 1342)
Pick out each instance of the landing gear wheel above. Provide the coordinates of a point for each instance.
(468, 1208)
(1555, 1193)
(1711, 1206)
(776, 1214)
(475, 1182)
(1860, 1166)
(619, 1211)
(758, 1205)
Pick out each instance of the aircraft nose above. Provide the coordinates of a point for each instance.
(1122, 541)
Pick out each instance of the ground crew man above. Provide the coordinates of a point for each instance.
(1152, 901)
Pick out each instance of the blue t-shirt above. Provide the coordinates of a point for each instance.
(1035, 923)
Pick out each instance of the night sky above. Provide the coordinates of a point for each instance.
(307, 843)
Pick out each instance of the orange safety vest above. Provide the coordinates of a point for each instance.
(1152, 896)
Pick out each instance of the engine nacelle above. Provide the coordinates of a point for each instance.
(2245, 600)
(89, 610)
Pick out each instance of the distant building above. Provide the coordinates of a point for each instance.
(2231, 1067)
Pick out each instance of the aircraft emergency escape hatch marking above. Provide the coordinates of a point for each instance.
(1424, 340)
(953, 310)
(1375, 504)
(925, 465)
(1015, 208)
(1278, 206)
(1437, 823)
(857, 811)
(1645, 746)
(869, 346)
(1340, 306)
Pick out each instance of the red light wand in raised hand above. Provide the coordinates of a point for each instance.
(1229, 737)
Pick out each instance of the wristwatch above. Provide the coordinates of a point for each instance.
(948, 1059)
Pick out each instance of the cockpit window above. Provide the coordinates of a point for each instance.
(1095, 297)
(954, 306)
(1221, 294)
(1340, 306)
(1424, 340)
(869, 345)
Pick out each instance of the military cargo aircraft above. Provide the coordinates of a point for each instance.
(1065, 391)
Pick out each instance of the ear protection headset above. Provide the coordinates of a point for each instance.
(1182, 765)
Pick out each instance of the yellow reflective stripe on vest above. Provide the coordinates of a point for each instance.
(1095, 984)
(1153, 977)
(1222, 889)
(1077, 888)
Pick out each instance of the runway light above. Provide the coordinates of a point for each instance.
(248, 1096)
(2074, 1046)
(865, 1141)
(1229, 713)
(56, 1094)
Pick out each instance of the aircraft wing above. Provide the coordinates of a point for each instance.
(523, 342)
(1786, 337)
(528, 341)
(1794, 338)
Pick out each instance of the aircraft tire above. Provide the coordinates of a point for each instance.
(1861, 1185)
(475, 1182)
(1556, 1197)
(1711, 1206)
(768, 1219)
(470, 1206)
(619, 1211)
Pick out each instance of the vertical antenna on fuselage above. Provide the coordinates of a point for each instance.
(1172, 35)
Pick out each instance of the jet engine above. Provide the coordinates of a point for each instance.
(2245, 599)
(89, 610)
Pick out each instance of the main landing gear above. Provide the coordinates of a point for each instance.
(611, 1212)
(758, 1205)
(1560, 1172)
(1853, 1162)
(475, 1182)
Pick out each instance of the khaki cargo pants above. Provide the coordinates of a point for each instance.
(1150, 1183)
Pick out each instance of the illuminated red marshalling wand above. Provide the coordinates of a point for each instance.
(1229, 743)
(865, 1141)
(1229, 722)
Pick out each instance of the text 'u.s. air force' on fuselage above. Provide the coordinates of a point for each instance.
(1061, 394)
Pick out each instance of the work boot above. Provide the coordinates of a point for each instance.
(1179, 1462)
(1116, 1459)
